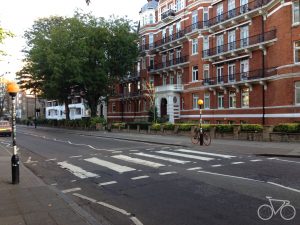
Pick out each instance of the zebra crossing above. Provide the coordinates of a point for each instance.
(158, 161)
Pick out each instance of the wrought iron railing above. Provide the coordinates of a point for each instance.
(170, 63)
(168, 13)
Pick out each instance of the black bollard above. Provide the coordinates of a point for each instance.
(15, 171)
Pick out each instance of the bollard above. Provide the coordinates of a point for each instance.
(15, 171)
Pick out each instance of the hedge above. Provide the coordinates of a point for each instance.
(155, 126)
(287, 128)
(251, 127)
(224, 128)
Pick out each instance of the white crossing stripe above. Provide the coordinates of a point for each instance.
(167, 173)
(195, 168)
(163, 158)
(256, 160)
(138, 161)
(235, 163)
(185, 155)
(77, 171)
(140, 177)
(75, 156)
(109, 165)
(71, 190)
(107, 183)
(217, 165)
(206, 153)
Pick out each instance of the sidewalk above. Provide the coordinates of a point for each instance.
(32, 202)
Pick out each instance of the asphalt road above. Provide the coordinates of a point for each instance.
(127, 182)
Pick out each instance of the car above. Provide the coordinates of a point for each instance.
(5, 128)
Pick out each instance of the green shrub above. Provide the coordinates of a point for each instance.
(155, 126)
(97, 119)
(185, 126)
(251, 127)
(118, 125)
(224, 128)
(287, 128)
(169, 126)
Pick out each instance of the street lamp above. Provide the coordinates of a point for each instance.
(200, 103)
(13, 89)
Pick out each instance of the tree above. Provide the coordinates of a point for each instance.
(149, 93)
(4, 34)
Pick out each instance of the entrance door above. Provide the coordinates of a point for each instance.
(163, 108)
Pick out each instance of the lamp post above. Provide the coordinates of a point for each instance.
(200, 103)
(13, 89)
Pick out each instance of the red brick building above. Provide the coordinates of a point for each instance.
(242, 57)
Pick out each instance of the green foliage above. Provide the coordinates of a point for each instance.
(168, 126)
(287, 128)
(97, 119)
(251, 127)
(185, 126)
(118, 125)
(224, 128)
(156, 126)
(153, 117)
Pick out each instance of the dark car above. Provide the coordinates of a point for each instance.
(5, 128)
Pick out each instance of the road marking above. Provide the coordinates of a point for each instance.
(140, 177)
(167, 173)
(71, 190)
(194, 168)
(206, 153)
(109, 165)
(54, 184)
(225, 175)
(256, 160)
(235, 163)
(162, 158)
(138, 161)
(85, 197)
(149, 148)
(133, 150)
(284, 160)
(30, 161)
(77, 171)
(217, 165)
(288, 188)
(54, 159)
(116, 152)
(185, 155)
(75, 156)
(107, 183)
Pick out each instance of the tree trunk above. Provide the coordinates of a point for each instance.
(67, 110)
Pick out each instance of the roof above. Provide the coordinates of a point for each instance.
(150, 5)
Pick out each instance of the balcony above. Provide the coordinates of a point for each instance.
(169, 41)
(130, 95)
(192, 29)
(131, 78)
(176, 63)
(168, 15)
(234, 15)
(236, 78)
(170, 87)
(245, 44)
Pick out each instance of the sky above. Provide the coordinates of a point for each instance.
(19, 15)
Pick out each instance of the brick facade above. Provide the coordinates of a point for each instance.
(246, 47)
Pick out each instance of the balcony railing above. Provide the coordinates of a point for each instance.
(169, 38)
(194, 27)
(169, 87)
(250, 6)
(130, 94)
(242, 43)
(167, 64)
(169, 14)
(240, 77)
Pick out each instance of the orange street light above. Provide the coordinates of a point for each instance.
(200, 103)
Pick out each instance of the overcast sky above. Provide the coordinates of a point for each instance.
(18, 15)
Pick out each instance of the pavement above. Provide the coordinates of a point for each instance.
(32, 202)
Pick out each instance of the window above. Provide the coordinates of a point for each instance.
(220, 77)
(151, 63)
(164, 80)
(205, 46)
(151, 41)
(220, 44)
(206, 100)
(205, 16)
(244, 36)
(297, 52)
(143, 43)
(220, 100)
(206, 73)
(231, 8)
(178, 56)
(195, 46)
(296, 12)
(171, 32)
(231, 40)
(231, 72)
(297, 93)
(219, 12)
(129, 106)
(113, 107)
(151, 19)
(244, 6)
(171, 58)
(145, 105)
(151, 81)
(171, 79)
(164, 59)
(232, 99)
(77, 112)
(143, 63)
(164, 34)
(245, 98)
(179, 78)
(178, 28)
(195, 101)
(195, 73)
(194, 19)
(179, 4)
(244, 69)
